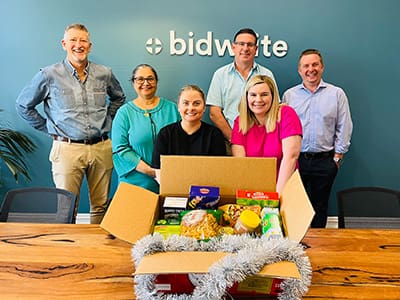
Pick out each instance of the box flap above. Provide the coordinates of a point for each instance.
(229, 173)
(282, 269)
(131, 213)
(295, 208)
(178, 262)
(200, 262)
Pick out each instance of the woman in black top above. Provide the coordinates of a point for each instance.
(190, 135)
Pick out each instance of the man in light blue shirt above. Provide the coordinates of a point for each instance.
(228, 82)
(327, 127)
(80, 98)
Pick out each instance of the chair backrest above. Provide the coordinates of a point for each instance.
(368, 207)
(39, 205)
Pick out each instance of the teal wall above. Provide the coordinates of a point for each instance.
(359, 40)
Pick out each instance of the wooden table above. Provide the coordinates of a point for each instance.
(84, 262)
(46, 261)
(354, 264)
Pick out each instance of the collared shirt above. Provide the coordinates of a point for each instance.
(227, 87)
(325, 117)
(74, 109)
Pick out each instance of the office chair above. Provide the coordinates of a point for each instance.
(368, 207)
(39, 205)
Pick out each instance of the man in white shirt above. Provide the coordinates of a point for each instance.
(228, 82)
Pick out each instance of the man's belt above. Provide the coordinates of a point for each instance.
(317, 155)
(91, 141)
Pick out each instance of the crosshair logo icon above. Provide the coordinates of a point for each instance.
(153, 46)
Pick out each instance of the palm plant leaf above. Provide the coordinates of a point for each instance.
(13, 146)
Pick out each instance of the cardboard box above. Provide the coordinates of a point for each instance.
(134, 210)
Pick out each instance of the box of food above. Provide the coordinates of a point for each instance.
(133, 212)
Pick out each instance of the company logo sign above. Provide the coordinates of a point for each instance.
(209, 46)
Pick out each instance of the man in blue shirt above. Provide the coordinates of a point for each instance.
(327, 127)
(228, 82)
(79, 98)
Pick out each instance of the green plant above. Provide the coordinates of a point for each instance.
(13, 146)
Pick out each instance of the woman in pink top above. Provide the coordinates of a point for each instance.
(264, 128)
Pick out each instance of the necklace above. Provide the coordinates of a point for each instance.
(146, 104)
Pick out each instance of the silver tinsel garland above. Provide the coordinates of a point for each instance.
(252, 254)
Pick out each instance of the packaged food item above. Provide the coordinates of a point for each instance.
(271, 224)
(172, 208)
(200, 224)
(247, 222)
(252, 197)
(226, 230)
(167, 230)
(203, 197)
(233, 211)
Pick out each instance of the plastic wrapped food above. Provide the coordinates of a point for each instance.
(233, 211)
(200, 224)
(271, 225)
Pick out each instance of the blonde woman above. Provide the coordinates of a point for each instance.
(264, 128)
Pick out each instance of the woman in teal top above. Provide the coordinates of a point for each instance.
(135, 128)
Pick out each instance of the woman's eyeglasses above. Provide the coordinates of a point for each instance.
(141, 80)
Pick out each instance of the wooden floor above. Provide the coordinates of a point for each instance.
(82, 261)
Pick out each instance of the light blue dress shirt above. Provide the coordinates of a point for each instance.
(227, 87)
(74, 109)
(325, 117)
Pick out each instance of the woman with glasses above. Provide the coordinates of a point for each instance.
(190, 135)
(136, 126)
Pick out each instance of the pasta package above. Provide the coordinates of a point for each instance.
(200, 224)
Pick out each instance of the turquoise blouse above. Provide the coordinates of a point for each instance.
(133, 134)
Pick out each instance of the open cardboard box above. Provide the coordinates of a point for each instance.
(134, 210)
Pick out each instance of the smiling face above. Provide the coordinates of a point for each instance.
(145, 82)
(259, 100)
(191, 106)
(76, 43)
(310, 69)
(244, 48)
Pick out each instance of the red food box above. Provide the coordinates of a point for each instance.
(262, 198)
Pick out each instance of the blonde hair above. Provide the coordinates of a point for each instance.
(247, 118)
(192, 87)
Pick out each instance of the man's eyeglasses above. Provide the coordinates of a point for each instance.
(141, 80)
(242, 44)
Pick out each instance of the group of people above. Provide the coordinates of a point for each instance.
(94, 130)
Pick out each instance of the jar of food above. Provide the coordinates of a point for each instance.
(247, 222)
